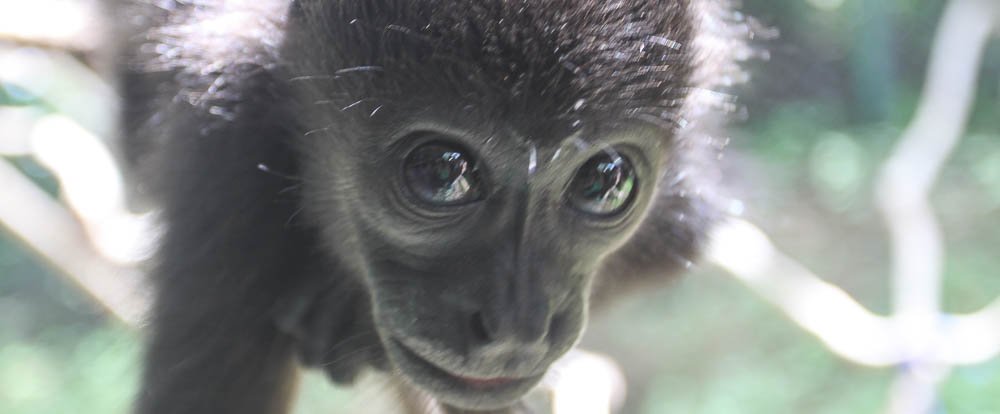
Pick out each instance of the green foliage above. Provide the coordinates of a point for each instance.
(93, 373)
(839, 169)
(13, 95)
(38, 174)
(973, 390)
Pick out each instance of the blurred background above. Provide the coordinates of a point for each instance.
(842, 84)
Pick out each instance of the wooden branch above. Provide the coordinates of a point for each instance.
(92, 186)
(908, 176)
(50, 230)
(59, 25)
(929, 342)
(973, 338)
(841, 323)
(919, 331)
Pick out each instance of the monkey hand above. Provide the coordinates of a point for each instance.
(333, 330)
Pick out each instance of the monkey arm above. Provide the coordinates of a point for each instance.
(214, 346)
(330, 320)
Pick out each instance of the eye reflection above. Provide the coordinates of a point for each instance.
(442, 175)
(604, 185)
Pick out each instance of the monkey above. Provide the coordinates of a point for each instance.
(438, 190)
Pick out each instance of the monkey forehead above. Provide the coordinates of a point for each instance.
(556, 57)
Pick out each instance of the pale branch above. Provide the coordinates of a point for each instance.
(48, 24)
(845, 326)
(918, 337)
(49, 229)
(826, 311)
(908, 176)
(93, 187)
(902, 192)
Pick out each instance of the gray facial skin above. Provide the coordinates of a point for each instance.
(496, 288)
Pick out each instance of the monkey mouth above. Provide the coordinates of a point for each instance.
(464, 391)
(487, 382)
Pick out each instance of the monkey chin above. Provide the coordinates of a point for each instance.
(454, 389)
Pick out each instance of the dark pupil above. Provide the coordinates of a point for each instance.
(604, 185)
(442, 175)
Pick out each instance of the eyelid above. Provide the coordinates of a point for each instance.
(401, 136)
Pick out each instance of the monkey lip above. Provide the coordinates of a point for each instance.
(472, 383)
(486, 382)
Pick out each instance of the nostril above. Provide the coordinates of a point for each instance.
(482, 328)
(557, 326)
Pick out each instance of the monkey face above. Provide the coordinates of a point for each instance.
(474, 168)
(479, 238)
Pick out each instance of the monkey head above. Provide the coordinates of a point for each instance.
(475, 163)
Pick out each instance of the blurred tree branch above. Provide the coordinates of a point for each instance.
(918, 337)
(47, 24)
(929, 343)
(48, 228)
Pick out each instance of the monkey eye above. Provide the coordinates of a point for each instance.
(442, 175)
(604, 185)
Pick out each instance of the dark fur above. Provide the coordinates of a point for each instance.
(257, 130)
